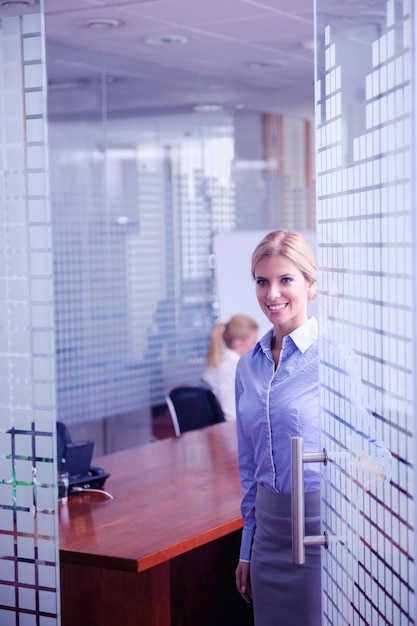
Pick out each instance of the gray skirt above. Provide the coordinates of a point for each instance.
(284, 594)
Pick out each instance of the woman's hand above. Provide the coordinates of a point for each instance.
(242, 580)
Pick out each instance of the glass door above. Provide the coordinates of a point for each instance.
(366, 238)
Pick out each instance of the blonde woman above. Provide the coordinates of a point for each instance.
(227, 344)
(277, 392)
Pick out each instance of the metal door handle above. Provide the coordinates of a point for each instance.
(299, 540)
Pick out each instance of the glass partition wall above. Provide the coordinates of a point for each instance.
(29, 574)
(366, 231)
(107, 272)
(105, 310)
(137, 201)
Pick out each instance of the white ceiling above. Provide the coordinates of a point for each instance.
(229, 44)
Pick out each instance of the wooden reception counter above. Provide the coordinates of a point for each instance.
(164, 550)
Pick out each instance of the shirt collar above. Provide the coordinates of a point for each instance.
(303, 337)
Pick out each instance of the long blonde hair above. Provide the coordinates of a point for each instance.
(238, 327)
(295, 247)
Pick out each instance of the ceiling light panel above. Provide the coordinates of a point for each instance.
(18, 7)
(18, 3)
(104, 23)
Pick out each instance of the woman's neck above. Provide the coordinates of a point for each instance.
(276, 346)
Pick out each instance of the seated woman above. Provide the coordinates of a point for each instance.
(228, 343)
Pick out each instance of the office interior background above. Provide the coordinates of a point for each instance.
(132, 134)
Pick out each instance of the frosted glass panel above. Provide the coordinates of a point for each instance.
(366, 252)
(137, 202)
(28, 506)
(144, 317)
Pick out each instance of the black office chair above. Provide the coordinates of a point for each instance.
(193, 407)
(63, 437)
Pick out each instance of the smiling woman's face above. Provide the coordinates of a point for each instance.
(282, 292)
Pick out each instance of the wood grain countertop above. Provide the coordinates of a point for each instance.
(170, 496)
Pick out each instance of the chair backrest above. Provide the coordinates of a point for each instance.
(63, 437)
(193, 407)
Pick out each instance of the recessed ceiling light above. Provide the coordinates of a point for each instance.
(266, 64)
(208, 108)
(165, 40)
(103, 23)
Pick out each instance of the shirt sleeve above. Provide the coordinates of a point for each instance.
(247, 478)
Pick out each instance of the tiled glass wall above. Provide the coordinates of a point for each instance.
(365, 233)
(29, 574)
(136, 204)
(133, 228)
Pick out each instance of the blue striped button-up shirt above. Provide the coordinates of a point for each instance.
(274, 405)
